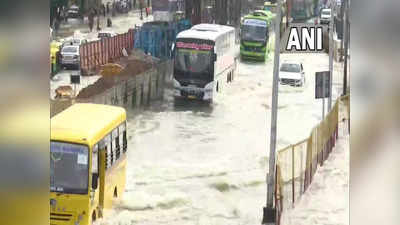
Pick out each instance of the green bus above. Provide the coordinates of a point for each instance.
(255, 43)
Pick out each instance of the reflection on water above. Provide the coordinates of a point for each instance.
(196, 106)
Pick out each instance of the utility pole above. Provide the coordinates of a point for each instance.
(331, 54)
(269, 213)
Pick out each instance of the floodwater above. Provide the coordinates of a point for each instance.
(197, 164)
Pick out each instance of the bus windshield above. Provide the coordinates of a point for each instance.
(68, 168)
(254, 33)
(193, 61)
(270, 8)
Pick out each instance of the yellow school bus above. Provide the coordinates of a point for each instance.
(87, 162)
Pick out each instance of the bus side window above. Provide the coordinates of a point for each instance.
(109, 156)
(95, 159)
(102, 147)
(120, 137)
(122, 130)
(115, 143)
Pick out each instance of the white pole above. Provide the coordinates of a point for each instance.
(274, 112)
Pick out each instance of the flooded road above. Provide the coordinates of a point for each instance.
(197, 164)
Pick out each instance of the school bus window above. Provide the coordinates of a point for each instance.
(115, 143)
(107, 142)
(95, 159)
(124, 138)
(120, 137)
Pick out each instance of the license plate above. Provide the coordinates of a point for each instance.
(192, 97)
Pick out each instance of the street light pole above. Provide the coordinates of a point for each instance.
(269, 216)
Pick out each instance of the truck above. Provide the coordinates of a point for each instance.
(157, 37)
(165, 10)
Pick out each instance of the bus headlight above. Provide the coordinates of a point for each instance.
(209, 87)
(176, 83)
(208, 91)
(80, 217)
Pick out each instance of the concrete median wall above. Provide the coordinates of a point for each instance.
(137, 92)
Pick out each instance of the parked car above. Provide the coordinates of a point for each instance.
(70, 56)
(73, 12)
(325, 17)
(292, 73)
(106, 34)
(74, 41)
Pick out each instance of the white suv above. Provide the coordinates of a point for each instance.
(292, 73)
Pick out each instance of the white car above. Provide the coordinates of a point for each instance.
(70, 56)
(292, 73)
(73, 12)
(106, 34)
(325, 16)
(74, 41)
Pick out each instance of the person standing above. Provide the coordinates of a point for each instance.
(103, 9)
(141, 9)
(91, 20)
(56, 26)
(134, 4)
(109, 22)
(98, 19)
(108, 8)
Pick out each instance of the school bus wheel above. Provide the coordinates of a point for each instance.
(94, 216)
(115, 193)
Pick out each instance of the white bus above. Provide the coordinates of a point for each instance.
(204, 61)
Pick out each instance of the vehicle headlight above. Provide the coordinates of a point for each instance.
(80, 218)
(176, 83)
(209, 87)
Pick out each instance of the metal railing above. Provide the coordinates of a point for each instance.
(297, 164)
